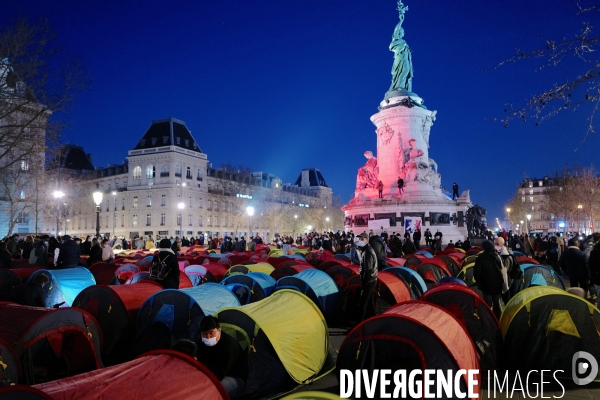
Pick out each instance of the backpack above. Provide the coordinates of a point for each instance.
(159, 268)
(33, 256)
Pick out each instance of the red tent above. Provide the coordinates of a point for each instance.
(164, 374)
(116, 308)
(281, 271)
(51, 338)
(104, 273)
(217, 270)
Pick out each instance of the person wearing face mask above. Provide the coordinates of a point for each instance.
(368, 278)
(507, 264)
(223, 355)
(487, 272)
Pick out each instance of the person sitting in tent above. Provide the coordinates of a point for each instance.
(33, 292)
(487, 272)
(223, 355)
(167, 265)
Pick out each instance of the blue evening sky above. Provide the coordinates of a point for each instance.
(282, 85)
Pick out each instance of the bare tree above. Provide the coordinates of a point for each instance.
(581, 88)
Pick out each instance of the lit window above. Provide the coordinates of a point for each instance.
(134, 220)
(531, 199)
(150, 172)
(24, 165)
(137, 173)
(530, 184)
(135, 203)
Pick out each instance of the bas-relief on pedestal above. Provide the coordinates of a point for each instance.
(403, 126)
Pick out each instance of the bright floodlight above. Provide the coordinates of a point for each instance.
(97, 197)
(309, 227)
(114, 193)
(183, 184)
(508, 210)
(181, 205)
(58, 194)
(295, 216)
(528, 217)
(250, 211)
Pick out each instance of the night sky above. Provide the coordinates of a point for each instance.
(282, 85)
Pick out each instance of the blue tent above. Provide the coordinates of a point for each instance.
(212, 297)
(416, 284)
(536, 275)
(198, 274)
(315, 284)
(250, 287)
(297, 256)
(424, 253)
(65, 284)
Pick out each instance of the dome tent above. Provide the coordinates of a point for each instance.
(250, 287)
(411, 335)
(544, 326)
(65, 284)
(315, 284)
(470, 309)
(536, 275)
(287, 340)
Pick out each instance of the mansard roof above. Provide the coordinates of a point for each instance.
(168, 132)
(72, 157)
(315, 178)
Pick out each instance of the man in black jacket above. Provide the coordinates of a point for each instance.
(379, 248)
(223, 355)
(368, 278)
(69, 253)
(33, 292)
(575, 263)
(417, 238)
(487, 272)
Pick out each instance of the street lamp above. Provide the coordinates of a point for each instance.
(579, 208)
(250, 212)
(294, 229)
(181, 206)
(327, 224)
(508, 212)
(97, 200)
(115, 212)
(57, 195)
(528, 224)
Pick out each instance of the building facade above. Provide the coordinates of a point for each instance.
(167, 187)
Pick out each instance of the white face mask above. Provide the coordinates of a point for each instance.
(498, 248)
(210, 342)
(361, 244)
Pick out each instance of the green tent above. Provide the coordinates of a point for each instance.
(286, 337)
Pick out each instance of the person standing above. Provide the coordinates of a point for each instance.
(400, 185)
(380, 189)
(575, 263)
(417, 238)
(95, 253)
(368, 278)
(454, 191)
(170, 278)
(428, 237)
(438, 239)
(69, 253)
(487, 272)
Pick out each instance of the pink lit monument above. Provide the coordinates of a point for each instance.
(403, 126)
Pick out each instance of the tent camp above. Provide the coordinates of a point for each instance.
(543, 327)
(123, 273)
(536, 275)
(116, 308)
(198, 274)
(317, 285)
(51, 343)
(65, 284)
(416, 284)
(466, 275)
(166, 375)
(251, 287)
(468, 308)
(287, 340)
(180, 311)
(410, 335)
(451, 264)
(10, 367)
(217, 270)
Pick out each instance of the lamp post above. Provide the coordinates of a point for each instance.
(115, 211)
(57, 195)
(294, 229)
(508, 212)
(327, 224)
(250, 212)
(528, 224)
(97, 200)
(579, 208)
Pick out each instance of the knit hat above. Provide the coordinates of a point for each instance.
(164, 244)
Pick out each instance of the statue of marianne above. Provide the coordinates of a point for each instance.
(402, 70)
